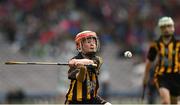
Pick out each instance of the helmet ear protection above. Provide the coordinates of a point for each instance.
(82, 35)
(79, 46)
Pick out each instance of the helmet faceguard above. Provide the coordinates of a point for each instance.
(84, 35)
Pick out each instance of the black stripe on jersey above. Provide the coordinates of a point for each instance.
(173, 55)
(74, 97)
(84, 87)
(160, 58)
(97, 85)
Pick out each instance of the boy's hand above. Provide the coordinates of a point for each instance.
(80, 62)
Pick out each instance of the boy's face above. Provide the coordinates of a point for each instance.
(89, 45)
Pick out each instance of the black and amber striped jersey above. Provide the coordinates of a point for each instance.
(168, 56)
(86, 90)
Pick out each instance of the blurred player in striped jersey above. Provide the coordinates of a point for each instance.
(167, 70)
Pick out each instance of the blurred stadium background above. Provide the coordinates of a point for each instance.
(43, 30)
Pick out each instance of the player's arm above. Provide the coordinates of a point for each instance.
(147, 70)
(150, 58)
(81, 75)
(80, 68)
(77, 73)
(98, 61)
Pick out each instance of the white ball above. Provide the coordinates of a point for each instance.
(128, 54)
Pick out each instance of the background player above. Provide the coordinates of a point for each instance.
(167, 74)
